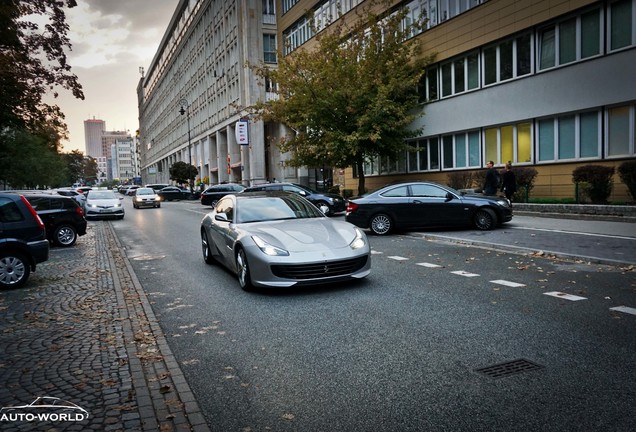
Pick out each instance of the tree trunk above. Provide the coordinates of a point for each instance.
(360, 167)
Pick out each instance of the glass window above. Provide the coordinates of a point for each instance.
(269, 48)
(459, 75)
(505, 60)
(473, 149)
(447, 82)
(547, 48)
(460, 151)
(621, 24)
(567, 138)
(524, 142)
(423, 157)
(492, 143)
(448, 151)
(524, 55)
(473, 70)
(400, 191)
(490, 65)
(507, 144)
(589, 133)
(430, 191)
(618, 131)
(590, 34)
(546, 140)
(433, 151)
(9, 211)
(567, 41)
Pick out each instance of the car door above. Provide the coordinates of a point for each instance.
(431, 205)
(222, 232)
(396, 203)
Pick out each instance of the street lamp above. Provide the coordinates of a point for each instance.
(185, 109)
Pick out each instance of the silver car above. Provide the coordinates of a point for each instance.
(103, 203)
(280, 239)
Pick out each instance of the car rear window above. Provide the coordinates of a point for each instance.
(9, 211)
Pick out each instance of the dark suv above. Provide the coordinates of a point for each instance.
(23, 242)
(214, 193)
(62, 216)
(329, 203)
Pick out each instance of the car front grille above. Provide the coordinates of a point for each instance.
(319, 270)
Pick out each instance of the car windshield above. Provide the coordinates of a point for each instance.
(101, 195)
(145, 191)
(275, 208)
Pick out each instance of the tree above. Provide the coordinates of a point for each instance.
(351, 98)
(182, 172)
(33, 63)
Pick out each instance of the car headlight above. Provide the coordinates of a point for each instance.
(157, 198)
(116, 205)
(269, 249)
(504, 202)
(359, 241)
(92, 205)
(138, 198)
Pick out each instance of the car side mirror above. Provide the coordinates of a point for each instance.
(222, 217)
(449, 196)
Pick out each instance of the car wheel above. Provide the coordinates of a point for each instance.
(213, 202)
(243, 271)
(159, 205)
(380, 224)
(324, 207)
(14, 270)
(205, 248)
(485, 219)
(65, 235)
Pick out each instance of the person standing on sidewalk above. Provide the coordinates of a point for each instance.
(491, 184)
(508, 182)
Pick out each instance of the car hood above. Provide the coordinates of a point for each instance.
(304, 235)
(103, 202)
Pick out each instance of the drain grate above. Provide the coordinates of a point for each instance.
(509, 368)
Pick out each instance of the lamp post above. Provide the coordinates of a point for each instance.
(185, 109)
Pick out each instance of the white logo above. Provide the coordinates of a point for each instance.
(43, 409)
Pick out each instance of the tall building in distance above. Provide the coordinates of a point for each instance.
(93, 131)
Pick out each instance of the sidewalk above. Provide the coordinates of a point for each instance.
(82, 330)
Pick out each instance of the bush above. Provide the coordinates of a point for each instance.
(460, 180)
(627, 173)
(525, 177)
(347, 193)
(598, 181)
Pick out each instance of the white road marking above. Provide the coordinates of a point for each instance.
(624, 309)
(373, 252)
(398, 258)
(576, 232)
(429, 265)
(464, 273)
(507, 283)
(564, 296)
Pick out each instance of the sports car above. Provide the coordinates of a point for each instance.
(280, 239)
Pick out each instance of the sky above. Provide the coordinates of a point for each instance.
(111, 40)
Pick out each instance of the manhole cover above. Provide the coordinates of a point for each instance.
(508, 368)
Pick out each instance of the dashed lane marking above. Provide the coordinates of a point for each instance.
(429, 265)
(398, 258)
(464, 273)
(624, 309)
(374, 252)
(564, 296)
(507, 283)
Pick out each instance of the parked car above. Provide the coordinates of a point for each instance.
(157, 186)
(83, 189)
(425, 204)
(329, 203)
(279, 239)
(104, 204)
(23, 242)
(130, 190)
(146, 197)
(62, 216)
(171, 193)
(77, 196)
(214, 193)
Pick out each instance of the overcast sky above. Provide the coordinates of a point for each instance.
(111, 39)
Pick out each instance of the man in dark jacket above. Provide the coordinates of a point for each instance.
(491, 184)
(509, 182)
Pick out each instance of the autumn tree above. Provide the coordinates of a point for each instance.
(33, 64)
(182, 172)
(353, 95)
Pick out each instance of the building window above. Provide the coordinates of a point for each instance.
(621, 21)
(620, 131)
(461, 150)
(427, 88)
(269, 48)
(425, 155)
(570, 40)
(508, 59)
(510, 143)
(569, 137)
(460, 74)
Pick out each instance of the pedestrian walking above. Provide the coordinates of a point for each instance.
(491, 184)
(508, 182)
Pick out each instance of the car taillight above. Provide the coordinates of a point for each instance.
(351, 207)
(79, 211)
(33, 212)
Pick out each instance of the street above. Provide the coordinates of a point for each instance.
(401, 350)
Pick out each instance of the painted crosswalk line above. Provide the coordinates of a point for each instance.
(564, 296)
(464, 273)
(429, 265)
(398, 258)
(374, 252)
(624, 309)
(507, 283)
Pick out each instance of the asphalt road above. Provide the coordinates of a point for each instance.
(401, 350)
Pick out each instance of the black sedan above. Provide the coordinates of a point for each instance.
(425, 204)
(214, 193)
(171, 193)
(329, 203)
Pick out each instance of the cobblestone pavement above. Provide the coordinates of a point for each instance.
(82, 330)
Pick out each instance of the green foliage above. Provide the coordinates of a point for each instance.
(627, 174)
(525, 177)
(182, 172)
(598, 181)
(353, 96)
